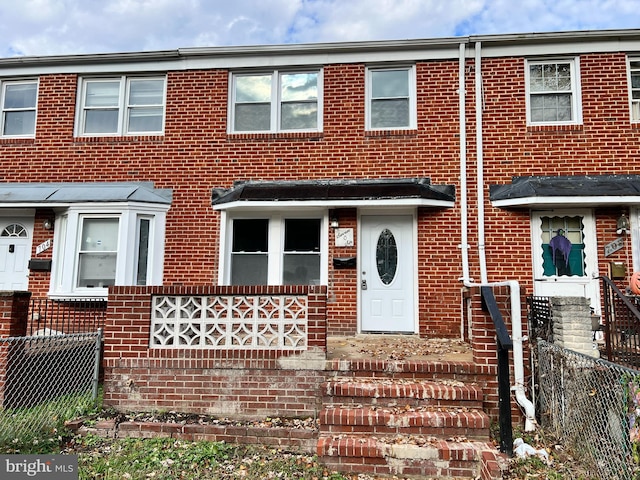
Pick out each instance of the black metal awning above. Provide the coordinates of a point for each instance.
(336, 193)
(585, 190)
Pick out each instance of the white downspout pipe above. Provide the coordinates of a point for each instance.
(514, 287)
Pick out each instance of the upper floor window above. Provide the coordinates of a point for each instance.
(18, 103)
(276, 101)
(121, 106)
(553, 92)
(634, 68)
(391, 98)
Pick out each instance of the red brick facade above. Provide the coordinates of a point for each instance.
(196, 153)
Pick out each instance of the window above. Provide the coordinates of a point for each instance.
(276, 251)
(94, 250)
(391, 98)
(635, 90)
(98, 252)
(563, 246)
(121, 106)
(276, 101)
(142, 259)
(552, 92)
(18, 102)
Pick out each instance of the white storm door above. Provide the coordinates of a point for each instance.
(15, 250)
(565, 259)
(387, 274)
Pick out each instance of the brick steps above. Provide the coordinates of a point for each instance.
(454, 423)
(411, 393)
(435, 459)
(418, 420)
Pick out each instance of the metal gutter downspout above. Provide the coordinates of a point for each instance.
(514, 287)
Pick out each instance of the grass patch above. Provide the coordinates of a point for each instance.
(27, 429)
(171, 459)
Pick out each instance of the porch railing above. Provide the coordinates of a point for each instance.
(504, 389)
(52, 317)
(621, 325)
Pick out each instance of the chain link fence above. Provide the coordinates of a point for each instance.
(46, 380)
(592, 406)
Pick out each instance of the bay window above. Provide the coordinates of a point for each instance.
(95, 248)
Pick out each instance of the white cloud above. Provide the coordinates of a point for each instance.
(44, 27)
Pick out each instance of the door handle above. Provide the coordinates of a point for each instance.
(364, 284)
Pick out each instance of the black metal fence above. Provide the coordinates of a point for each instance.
(53, 317)
(621, 325)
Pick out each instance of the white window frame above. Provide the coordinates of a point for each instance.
(275, 259)
(123, 106)
(68, 225)
(275, 100)
(634, 104)
(3, 110)
(576, 96)
(413, 115)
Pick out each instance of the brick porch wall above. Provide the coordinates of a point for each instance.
(485, 350)
(227, 383)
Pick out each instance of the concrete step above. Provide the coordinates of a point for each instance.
(402, 392)
(411, 457)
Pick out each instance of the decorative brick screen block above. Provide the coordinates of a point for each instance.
(230, 322)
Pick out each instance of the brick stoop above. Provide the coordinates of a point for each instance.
(391, 418)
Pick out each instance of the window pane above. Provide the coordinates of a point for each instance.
(252, 117)
(146, 92)
(386, 256)
(99, 234)
(299, 86)
(145, 119)
(551, 108)
(299, 116)
(253, 88)
(102, 94)
(143, 251)
(390, 113)
(301, 269)
(101, 121)
(249, 269)
(535, 78)
(390, 83)
(302, 235)
(96, 269)
(19, 123)
(563, 246)
(20, 96)
(251, 235)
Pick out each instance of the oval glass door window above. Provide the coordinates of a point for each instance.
(387, 256)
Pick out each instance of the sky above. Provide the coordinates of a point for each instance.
(61, 27)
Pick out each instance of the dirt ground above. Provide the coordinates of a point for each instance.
(398, 347)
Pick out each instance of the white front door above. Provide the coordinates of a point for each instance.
(387, 274)
(15, 250)
(565, 259)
